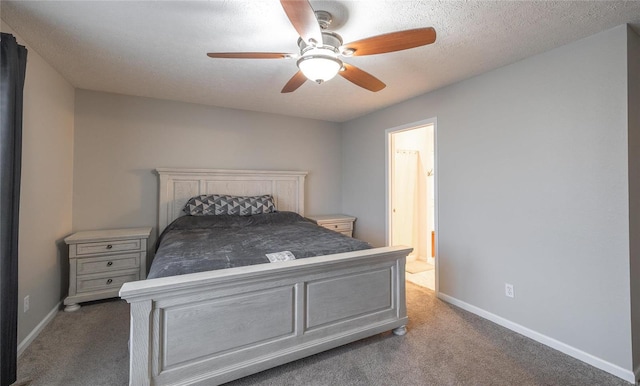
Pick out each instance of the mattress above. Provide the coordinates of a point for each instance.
(203, 243)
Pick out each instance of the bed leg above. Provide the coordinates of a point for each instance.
(400, 330)
(72, 307)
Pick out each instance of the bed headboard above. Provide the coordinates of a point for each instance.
(179, 185)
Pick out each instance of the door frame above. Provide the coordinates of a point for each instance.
(388, 186)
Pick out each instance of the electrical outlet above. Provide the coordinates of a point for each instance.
(26, 303)
(508, 290)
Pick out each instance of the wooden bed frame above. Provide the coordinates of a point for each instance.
(216, 326)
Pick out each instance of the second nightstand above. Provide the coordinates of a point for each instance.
(101, 261)
(336, 222)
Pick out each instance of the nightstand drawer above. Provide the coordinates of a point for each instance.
(108, 247)
(108, 263)
(104, 282)
(338, 227)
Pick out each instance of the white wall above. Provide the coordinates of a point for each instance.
(46, 189)
(633, 60)
(533, 191)
(119, 140)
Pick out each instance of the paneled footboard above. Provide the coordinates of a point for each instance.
(213, 327)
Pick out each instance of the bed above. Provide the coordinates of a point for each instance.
(218, 325)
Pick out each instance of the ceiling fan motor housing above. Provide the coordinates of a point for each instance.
(330, 40)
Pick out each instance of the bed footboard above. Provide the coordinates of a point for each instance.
(213, 327)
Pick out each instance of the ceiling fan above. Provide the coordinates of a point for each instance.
(320, 50)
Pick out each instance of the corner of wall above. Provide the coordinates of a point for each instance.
(633, 90)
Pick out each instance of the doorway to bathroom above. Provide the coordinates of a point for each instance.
(411, 198)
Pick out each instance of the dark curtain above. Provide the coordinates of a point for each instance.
(13, 59)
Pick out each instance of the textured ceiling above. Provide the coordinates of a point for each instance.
(158, 48)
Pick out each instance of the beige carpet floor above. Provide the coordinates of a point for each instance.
(444, 346)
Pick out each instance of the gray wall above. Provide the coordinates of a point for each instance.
(633, 60)
(532, 190)
(45, 202)
(120, 139)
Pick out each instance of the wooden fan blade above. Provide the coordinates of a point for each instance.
(394, 41)
(361, 78)
(295, 82)
(303, 19)
(248, 55)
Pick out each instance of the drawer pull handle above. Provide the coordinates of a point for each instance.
(109, 264)
(109, 246)
(335, 226)
(109, 281)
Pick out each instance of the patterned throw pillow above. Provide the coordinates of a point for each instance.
(216, 204)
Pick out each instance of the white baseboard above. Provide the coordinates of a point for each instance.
(36, 331)
(627, 375)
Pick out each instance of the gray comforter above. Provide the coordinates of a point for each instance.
(203, 243)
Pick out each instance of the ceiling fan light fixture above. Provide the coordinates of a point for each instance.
(319, 64)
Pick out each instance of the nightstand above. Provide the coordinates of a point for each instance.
(336, 222)
(101, 261)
